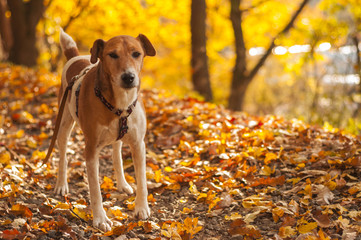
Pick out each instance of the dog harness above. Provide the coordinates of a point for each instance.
(123, 121)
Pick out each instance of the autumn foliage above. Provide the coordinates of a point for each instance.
(212, 173)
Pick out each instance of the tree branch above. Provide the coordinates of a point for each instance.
(73, 17)
(254, 6)
(272, 44)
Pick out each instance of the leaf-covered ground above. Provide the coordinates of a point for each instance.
(213, 174)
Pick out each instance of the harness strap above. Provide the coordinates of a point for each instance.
(123, 121)
(77, 93)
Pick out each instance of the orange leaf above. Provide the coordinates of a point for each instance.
(19, 209)
(108, 184)
(277, 213)
(10, 234)
(190, 225)
(269, 181)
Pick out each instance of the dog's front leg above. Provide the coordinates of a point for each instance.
(141, 202)
(122, 184)
(100, 219)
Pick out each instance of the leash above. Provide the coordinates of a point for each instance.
(60, 114)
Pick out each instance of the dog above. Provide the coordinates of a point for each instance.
(105, 102)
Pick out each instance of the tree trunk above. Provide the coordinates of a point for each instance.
(241, 77)
(358, 72)
(240, 80)
(25, 15)
(5, 30)
(199, 61)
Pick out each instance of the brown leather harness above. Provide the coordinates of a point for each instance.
(123, 121)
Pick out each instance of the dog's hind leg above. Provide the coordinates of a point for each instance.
(122, 184)
(66, 126)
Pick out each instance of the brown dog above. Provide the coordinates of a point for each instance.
(105, 102)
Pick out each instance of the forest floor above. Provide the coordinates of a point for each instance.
(212, 173)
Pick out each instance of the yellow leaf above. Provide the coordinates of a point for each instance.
(20, 133)
(213, 203)
(277, 213)
(307, 191)
(322, 235)
(286, 232)
(158, 176)
(299, 166)
(306, 228)
(233, 216)
(107, 184)
(5, 158)
(31, 143)
(151, 198)
(38, 155)
(202, 196)
(130, 203)
(190, 225)
(294, 180)
(117, 213)
(266, 170)
(187, 210)
(80, 210)
(171, 231)
(270, 157)
(168, 169)
(193, 188)
(129, 178)
(62, 206)
(174, 186)
(27, 117)
(43, 136)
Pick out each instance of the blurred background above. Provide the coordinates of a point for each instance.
(298, 58)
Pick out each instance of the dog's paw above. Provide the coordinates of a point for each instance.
(125, 187)
(102, 222)
(61, 188)
(142, 211)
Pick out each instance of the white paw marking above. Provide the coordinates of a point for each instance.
(102, 222)
(142, 210)
(61, 188)
(125, 187)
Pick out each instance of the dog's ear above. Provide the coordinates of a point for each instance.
(97, 50)
(147, 45)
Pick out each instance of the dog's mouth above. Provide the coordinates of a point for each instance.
(128, 86)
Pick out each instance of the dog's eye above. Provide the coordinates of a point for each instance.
(113, 55)
(135, 54)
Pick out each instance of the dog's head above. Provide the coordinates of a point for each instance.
(122, 58)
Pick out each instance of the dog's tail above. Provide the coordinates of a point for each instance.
(68, 45)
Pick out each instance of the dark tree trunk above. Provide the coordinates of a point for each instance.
(241, 77)
(358, 72)
(5, 30)
(355, 40)
(199, 62)
(24, 18)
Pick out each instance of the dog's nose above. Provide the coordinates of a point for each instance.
(128, 78)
